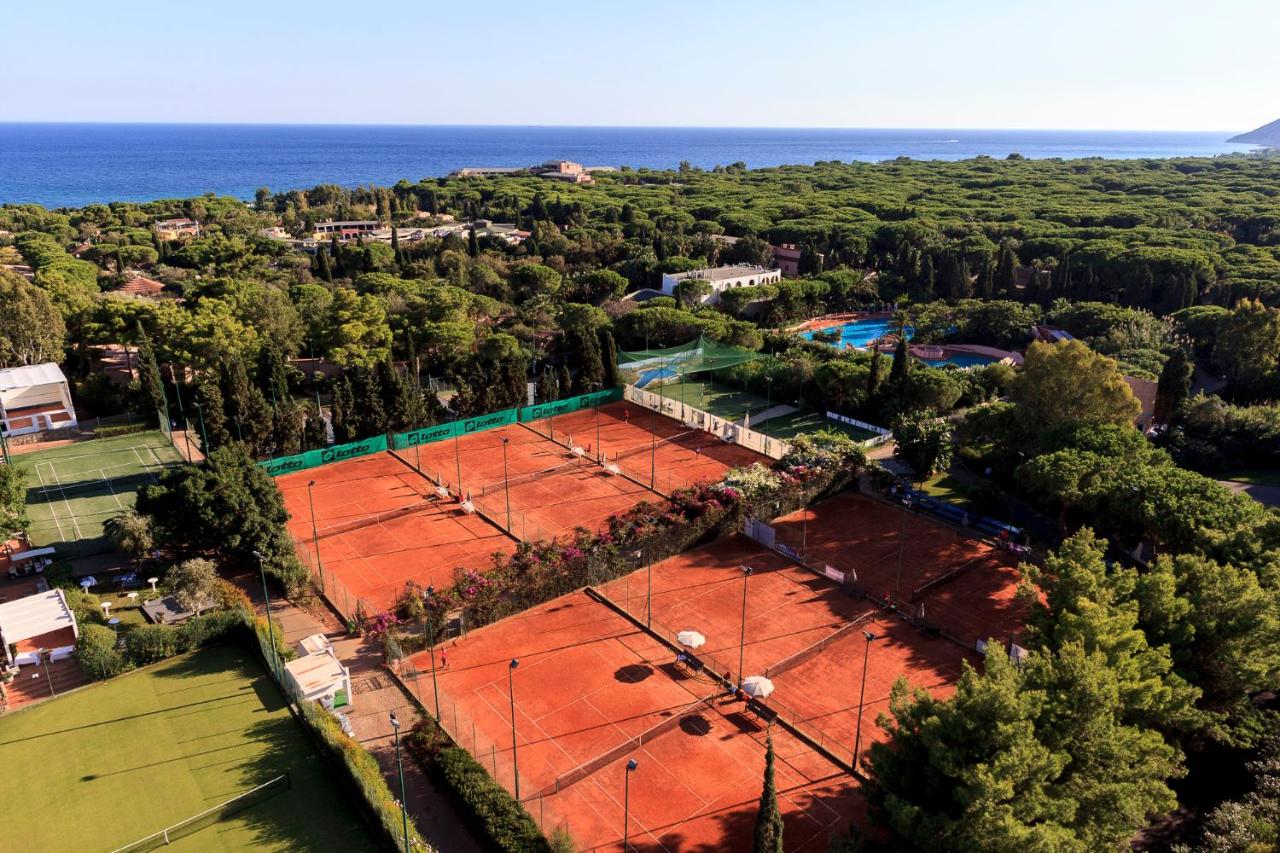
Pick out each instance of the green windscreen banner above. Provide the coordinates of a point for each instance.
(466, 426)
(316, 458)
(569, 404)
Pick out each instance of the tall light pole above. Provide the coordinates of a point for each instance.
(902, 546)
(44, 655)
(506, 482)
(404, 804)
(177, 392)
(204, 435)
(430, 594)
(315, 535)
(632, 764)
(457, 461)
(862, 692)
(271, 631)
(653, 459)
(742, 637)
(599, 457)
(511, 691)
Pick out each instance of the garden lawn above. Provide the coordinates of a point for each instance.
(107, 765)
(1255, 476)
(72, 490)
(946, 487)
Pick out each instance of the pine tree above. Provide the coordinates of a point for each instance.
(150, 384)
(875, 375)
(609, 358)
(768, 831)
(1174, 385)
(901, 363)
(211, 415)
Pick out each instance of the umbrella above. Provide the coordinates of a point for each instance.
(88, 582)
(757, 687)
(691, 639)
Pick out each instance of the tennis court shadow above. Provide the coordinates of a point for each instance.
(696, 725)
(633, 673)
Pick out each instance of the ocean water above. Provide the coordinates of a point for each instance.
(61, 165)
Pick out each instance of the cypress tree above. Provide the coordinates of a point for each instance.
(395, 245)
(273, 373)
(342, 411)
(609, 358)
(548, 389)
(369, 412)
(565, 385)
(322, 266)
(473, 243)
(1174, 386)
(464, 399)
(211, 415)
(1006, 276)
(875, 375)
(592, 373)
(150, 385)
(288, 424)
(901, 363)
(314, 432)
(247, 409)
(768, 830)
(928, 277)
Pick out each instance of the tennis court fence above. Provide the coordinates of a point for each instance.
(209, 816)
(351, 606)
(726, 430)
(811, 651)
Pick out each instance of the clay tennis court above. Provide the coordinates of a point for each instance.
(380, 524)
(802, 632)
(589, 682)
(552, 490)
(678, 458)
(960, 583)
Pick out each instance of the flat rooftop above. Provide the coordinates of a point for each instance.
(722, 273)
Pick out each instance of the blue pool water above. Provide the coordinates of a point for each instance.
(653, 374)
(859, 333)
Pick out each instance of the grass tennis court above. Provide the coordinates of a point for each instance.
(789, 426)
(732, 403)
(73, 490)
(114, 762)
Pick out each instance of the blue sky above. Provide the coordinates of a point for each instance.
(1123, 64)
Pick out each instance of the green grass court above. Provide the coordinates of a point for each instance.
(731, 404)
(114, 762)
(73, 490)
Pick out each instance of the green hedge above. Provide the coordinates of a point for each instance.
(488, 809)
(363, 773)
(123, 429)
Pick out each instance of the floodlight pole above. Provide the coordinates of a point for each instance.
(44, 655)
(315, 535)
(653, 460)
(457, 461)
(404, 805)
(742, 637)
(511, 668)
(862, 692)
(506, 482)
(902, 545)
(598, 455)
(4, 443)
(804, 535)
(648, 554)
(626, 802)
(431, 644)
(271, 631)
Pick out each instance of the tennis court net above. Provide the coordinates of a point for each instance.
(653, 445)
(814, 649)
(500, 485)
(210, 816)
(425, 503)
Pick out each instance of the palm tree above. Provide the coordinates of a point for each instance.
(131, 532)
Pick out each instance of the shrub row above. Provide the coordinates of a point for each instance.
(122, 429)
(363, 774)
(489, 810)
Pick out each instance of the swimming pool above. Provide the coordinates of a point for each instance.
(860, 333)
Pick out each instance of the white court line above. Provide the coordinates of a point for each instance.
(44, 488)
(70, 511)
(107, 480)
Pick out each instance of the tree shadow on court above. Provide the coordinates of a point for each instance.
(633, 673)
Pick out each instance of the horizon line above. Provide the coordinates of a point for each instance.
(73, 122)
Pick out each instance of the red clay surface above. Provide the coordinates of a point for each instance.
(789, 609)
(582, 495)
(587, 682)
(626, 435)
(373, 562)
(858, 533)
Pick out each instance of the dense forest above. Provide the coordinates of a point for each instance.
(1155, 613)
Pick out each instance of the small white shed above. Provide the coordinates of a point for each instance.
(34, 398)
(40, 621)
(320, 678)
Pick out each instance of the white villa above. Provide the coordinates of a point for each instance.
(722, 279)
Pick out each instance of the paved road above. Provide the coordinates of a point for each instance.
(1269, 495)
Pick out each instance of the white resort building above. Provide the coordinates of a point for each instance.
(722, 279)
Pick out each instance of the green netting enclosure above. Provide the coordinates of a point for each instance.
(653, 367)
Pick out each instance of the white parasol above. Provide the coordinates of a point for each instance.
(757, 686)
(691, 639)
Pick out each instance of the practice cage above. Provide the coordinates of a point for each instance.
(653, 367)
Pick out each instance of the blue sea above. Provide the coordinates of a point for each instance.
(60, 165)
